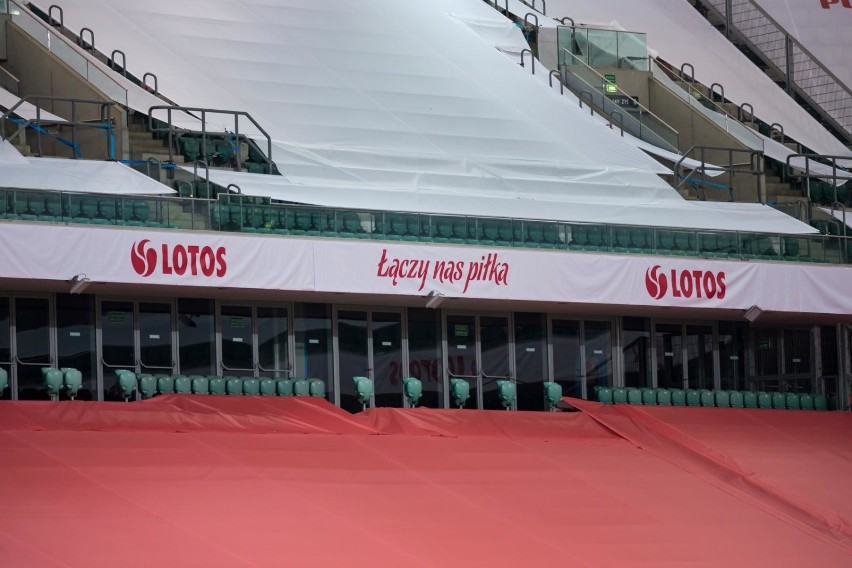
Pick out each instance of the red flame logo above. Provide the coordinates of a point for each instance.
(657, 284)
(144, 261)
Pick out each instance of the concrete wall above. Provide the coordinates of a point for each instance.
(43, 74)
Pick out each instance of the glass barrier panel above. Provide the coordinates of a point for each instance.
(632, 51)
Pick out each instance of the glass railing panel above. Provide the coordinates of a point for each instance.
(259, 216)
(632, 51)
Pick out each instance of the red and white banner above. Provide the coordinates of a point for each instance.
(138, 256)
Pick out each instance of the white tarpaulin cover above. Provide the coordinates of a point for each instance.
(200, 260)
(618, 210)
(80, 176)
(822, 26)
(681, 35)
(10, 156)
(385, 98)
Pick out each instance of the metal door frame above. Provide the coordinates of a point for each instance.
(713, 325)
(137, 344)
(255, 350)
(477, 319)
(335, 342)
(13, 336)
(615, 348)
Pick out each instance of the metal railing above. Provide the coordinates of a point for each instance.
(105, 122)
(802, 72)
(246, 214)
(68, 52)
(173, 131)
(697, 179)
(633, 117)
(686, 90)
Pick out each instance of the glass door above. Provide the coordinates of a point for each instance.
(369, 344)
(479, 350)
(668, 343)
(699, 356)
(138, 336)
(33, 347)
(582, 355)
(254, 341)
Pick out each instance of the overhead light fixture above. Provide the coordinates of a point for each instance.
(79, 283)
(753, 313)
(434, 300)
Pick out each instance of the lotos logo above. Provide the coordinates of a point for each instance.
(657, 284)
(144, 261)
(826, 4)
(685, 283)
(179, 259)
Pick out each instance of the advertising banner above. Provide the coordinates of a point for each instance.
(137, 256)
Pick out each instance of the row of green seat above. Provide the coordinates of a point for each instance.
(70, 208)
(237, 213)
(824, 193)
(278, 219)
(152, 385)
(705, 397)
(219, 151)
(65, 379)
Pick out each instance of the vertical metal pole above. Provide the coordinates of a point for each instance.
(729, 17)
(788, 50)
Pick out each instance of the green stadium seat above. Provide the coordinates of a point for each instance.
(820, 402)
(634, 396)
(301, 387)
(251, 386)
(664, 397)
(126, 384)
(806, 401)
(722, 399)
(619, 395)
(678, 397)
(234, 386)
(552, 394)
(165, 384)
(649, 396)
(764, 400)
(693, 397)
(284, 387)
(778, 400)
(707, 398)
(54, 380)
(200, 385)
(412, 387)
(316, 387)
(183, 385)
(749, 399)
(267, 387)
(73, 381)
(507, 392)
(460, 390)
(4, 380)
(147, 386)
(605, 395)
(364, 390)
(217, 385)
(793, 401)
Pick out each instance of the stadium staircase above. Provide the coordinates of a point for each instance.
(784, 60)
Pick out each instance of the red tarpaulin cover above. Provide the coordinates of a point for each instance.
(251, 481)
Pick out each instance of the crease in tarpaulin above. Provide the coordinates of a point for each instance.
(186, 413)
(678, 448)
